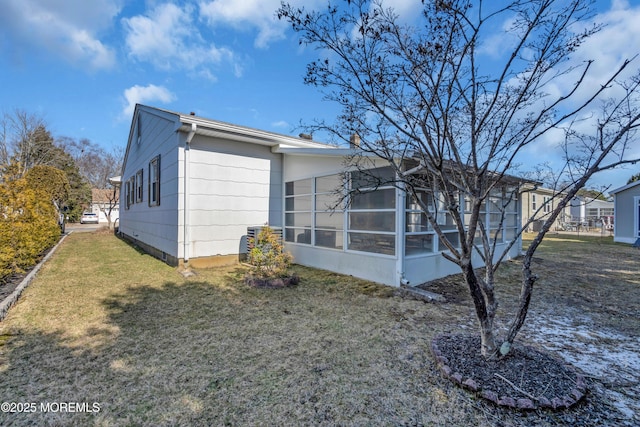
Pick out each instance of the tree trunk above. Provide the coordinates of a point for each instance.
(484, 313)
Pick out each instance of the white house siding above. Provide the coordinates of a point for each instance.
(155, 226)
(627, 215)
(233, 185)
(364, 265)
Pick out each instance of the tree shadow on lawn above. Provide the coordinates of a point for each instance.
(197, 353)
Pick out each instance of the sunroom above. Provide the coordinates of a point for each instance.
(340, 221)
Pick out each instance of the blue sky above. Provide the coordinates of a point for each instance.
(82, 65)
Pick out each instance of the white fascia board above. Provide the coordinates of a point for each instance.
(240, 133)
(329, 152)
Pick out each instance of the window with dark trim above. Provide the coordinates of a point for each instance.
(154, 181)
(139, 180)
(127, 192)
(132, 190)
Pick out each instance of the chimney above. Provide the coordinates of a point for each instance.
(306, 136)
(192, 113)
(354, 141)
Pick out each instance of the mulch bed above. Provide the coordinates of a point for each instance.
(525, 379)
(9, 284)
(271, 283)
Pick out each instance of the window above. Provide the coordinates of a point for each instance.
(371, 216)
(547, 204)
(534, 205)
(127, 192)
(328, 217)
(298, 211)
(139, 186)
(420, 236)
(154, 181)
(499, 214)
(312, 212)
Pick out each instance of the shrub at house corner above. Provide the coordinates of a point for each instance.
(270, 263)
(29, 217)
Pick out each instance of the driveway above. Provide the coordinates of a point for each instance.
(80, 228)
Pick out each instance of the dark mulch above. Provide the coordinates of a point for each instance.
(543, 390)
(273, 282)
(526, 378)
(10, 283)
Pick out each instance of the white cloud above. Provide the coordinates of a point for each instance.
(168, 38)
(256, 14)
(261, 15)
(66, 28)
(407, 10)
(144, 94)
(281, 124)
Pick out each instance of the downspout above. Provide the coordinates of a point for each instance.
(185, 219)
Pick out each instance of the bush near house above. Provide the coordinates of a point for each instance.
(267, 255)
(28, 219)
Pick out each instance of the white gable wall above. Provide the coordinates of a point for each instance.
(156, 226)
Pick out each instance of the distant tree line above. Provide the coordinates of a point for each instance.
(44, 181)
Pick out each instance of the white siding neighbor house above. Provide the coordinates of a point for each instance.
(627, 213)
(192, 187)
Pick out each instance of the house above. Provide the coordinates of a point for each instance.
(537, 204)
(192, 188)
(105, 202)
(627, 213)
(588, 212)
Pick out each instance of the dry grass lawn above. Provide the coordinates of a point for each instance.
(104, 323)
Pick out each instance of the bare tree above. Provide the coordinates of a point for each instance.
(27, 142)
(97, 165)
(453, 128)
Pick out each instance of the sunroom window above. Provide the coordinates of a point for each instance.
(329, 218)
(372, 212)
(298, 211)
(420, 236)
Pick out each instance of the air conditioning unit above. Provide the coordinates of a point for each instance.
(252, 233)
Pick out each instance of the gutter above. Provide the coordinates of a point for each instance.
(185, 220)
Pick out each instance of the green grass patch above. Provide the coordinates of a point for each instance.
(104, 323)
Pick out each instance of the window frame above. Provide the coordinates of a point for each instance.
(127, 192)
(154, 181)
(139, 185)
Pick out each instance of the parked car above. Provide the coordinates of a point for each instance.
(89, 218)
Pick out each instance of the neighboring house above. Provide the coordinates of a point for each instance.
(193, 187)
(592, 213)
(104, 202)
(537, 205)
(627, 213)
